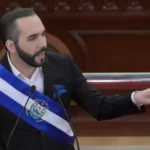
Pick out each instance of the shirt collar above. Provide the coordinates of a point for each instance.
(15, 71)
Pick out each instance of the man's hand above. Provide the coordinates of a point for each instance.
(142, 97)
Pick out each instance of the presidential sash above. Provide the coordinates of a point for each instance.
(42, 112)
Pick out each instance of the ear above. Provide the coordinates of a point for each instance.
(10, 46)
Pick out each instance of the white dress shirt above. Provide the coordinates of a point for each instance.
(37, 78)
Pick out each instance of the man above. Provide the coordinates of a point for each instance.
(44, 125)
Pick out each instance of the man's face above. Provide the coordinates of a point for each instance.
(31, 45)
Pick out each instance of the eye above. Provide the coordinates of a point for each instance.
(32, 38)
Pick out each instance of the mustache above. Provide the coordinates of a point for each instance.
(43, 49)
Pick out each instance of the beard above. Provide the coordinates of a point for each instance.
(30, 59)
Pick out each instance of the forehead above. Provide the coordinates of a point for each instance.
(30, 25)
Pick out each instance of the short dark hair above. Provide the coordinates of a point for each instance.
(8, 26)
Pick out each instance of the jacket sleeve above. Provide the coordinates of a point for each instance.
(100, 106)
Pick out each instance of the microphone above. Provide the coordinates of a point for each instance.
(57, 93)
(32, 90)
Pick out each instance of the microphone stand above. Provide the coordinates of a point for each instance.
(32, 90)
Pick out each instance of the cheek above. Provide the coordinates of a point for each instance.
(27, 47)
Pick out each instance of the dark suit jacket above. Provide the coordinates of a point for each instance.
(60, 69)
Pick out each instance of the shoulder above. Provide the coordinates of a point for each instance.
(58, 58)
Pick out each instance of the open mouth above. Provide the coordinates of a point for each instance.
(41, 55)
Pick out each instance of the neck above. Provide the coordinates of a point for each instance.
(23, 67)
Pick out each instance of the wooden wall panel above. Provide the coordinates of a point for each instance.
(114, 50)
(111, 34)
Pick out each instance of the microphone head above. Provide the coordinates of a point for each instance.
(55, 89)
(32, 89)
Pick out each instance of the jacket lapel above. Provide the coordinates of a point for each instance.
(48, 78)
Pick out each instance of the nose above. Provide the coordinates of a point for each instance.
(41, 41)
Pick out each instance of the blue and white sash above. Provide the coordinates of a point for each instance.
(42, 112)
